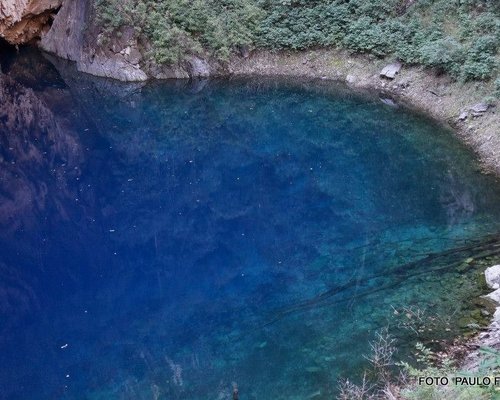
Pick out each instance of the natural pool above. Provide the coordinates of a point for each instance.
(163, 241)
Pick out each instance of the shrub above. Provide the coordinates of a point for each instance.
(489, 365)
(366, 36)
(446, 54)
(177, 28)
(480, 60)
(497, 88)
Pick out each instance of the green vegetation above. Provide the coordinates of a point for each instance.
(488, 368)
(445, 381)
(459, 37)
(176, 28)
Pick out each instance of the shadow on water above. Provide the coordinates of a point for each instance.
(164, 240)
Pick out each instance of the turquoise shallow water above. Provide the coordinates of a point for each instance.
(163, 241)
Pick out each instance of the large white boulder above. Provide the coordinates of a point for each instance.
(492, 275)
(495, 296)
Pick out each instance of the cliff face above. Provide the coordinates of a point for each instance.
(67, 29)
(75, 37)
(65, 36)
(24, 20)
(64, 28)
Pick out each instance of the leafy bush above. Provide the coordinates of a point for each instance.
(445, 54)
(177, 28)
(366, 36)
(497, 88)
(480, 60)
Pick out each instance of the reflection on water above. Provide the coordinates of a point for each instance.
(163, 241)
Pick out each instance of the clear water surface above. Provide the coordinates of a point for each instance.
(163, 241)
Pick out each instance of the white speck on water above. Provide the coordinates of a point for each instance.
(64, 346)
(111, 230)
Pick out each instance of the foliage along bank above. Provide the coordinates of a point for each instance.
(457, 37)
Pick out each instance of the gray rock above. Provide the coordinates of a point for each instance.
(390, 71)
(244, 51)
(463, 116)
(495, 296)
(492, 275)
(198, 67)
(405, 83)
(133, 55)
(66, 35)
(168, 72)
(115, 67)
(480, 108)
(66, 39)
(350, 79)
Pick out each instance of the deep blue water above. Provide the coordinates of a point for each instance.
(163, 241)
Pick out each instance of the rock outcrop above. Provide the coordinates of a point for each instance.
(65, 37)
(67, 29)
(73, 36)
(22, 21)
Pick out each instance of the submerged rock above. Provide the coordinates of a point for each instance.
(388, 102)
(315, 395)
